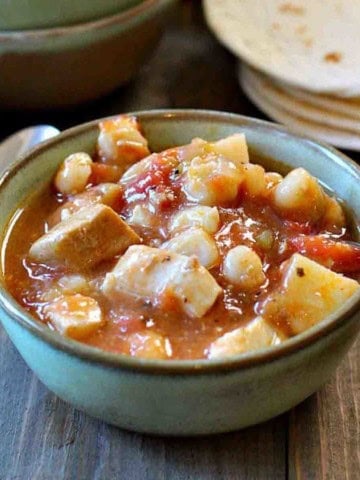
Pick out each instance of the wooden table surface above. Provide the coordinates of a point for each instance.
(42, 438)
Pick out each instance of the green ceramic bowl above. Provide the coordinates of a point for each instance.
(32, 14)
(184, 397)
(62, 67)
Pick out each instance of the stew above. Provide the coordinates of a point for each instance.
(193, 252)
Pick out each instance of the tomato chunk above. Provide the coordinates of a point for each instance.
(298, 228)
(102, 173)
(339, 256)
(157, 177)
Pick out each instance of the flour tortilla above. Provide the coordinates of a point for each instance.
(310, 44)
(300, 108)
(336, 137)
(349, 107)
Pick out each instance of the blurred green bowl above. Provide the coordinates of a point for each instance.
(33, 14)
(65, 66)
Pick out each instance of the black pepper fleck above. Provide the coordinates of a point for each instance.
(300, 272)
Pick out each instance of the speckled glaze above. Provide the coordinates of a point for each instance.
(26, 14)
(184, 397)
(65, 66)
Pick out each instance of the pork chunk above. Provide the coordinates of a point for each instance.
(109, 194)
(153, 273)
(86, 238)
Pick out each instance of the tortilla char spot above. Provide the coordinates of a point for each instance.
(300, 29)
(308, 42)
(291, 8)
(275, 26)
(333, 57)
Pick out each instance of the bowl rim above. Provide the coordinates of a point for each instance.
(83, 27)
(180, 367)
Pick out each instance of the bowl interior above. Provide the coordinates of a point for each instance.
(274, 146)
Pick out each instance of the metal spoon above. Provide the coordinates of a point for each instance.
(17, 144)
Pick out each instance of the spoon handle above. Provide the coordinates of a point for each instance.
(13, 147)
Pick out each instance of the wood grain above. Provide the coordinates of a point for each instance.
(324, 431)
(42, 438)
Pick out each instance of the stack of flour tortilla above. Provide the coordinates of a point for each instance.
(300, 61)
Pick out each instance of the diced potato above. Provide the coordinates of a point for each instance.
(299, 197)
(141, 216)
(195, 241)
(309, 293)
(109, 194)
(254, 181)
(74, 316)
(160, 275)
(86, 238)
(196, 148)
(334, 217)
(243, 267)
(73, 174)
(254, 336)
(147, 344)
(212, 180)
(233, 148)
(200, 216)
(72, 284)
(120, 141)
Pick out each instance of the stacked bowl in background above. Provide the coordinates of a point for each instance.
(35, 14)
(68, 63)
(300, 61)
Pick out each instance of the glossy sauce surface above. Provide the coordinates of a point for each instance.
(243, 222)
